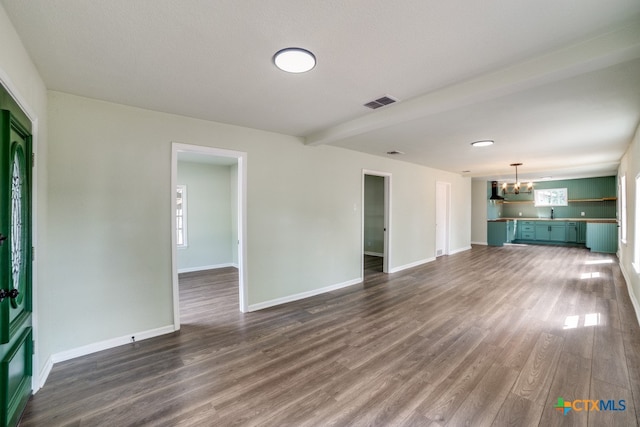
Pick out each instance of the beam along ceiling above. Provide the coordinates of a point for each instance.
(556, 83)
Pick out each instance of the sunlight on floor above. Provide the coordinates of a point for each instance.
(593, 275)
(573, 322)
(600, 261)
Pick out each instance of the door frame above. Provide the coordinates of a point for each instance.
(13, 91)
(177, 147)
(387, 220)
(447, 213)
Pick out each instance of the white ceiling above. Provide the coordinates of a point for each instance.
(556, 83)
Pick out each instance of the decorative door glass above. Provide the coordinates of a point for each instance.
(17, 224)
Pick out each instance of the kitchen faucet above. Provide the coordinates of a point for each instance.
(551, 213)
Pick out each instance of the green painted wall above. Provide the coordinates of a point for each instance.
(374, 214)
(209, 216)
(585, 188)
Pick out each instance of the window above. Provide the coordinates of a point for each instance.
(181, 215)
(636, 237)
(551, 197)
(622, 209)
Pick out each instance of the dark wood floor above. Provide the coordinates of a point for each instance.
(491, 336)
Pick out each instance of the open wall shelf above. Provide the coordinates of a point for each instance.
(603, 199)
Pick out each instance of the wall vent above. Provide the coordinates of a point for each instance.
(395, 152)
(380, 102)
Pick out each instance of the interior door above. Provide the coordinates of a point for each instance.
(16, 345)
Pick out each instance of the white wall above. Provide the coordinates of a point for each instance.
(111, 163)
(234, 213)
(19, 75)
(208, 219)
(630, 168)
(479, 212)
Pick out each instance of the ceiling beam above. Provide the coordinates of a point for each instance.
(614, 47)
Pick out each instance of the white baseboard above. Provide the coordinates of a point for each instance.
(206, 267)
(632, 296)
(480, 243)
(99, 346)
(303, 295)
(44, 374)
(374, 253)
(413, 264)
(456, 251)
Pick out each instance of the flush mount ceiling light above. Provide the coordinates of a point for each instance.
(482, 143)
(294, 60)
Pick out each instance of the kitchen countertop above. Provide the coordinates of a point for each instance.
(592, 220)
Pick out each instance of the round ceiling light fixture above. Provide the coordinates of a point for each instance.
(294, 60)
(482, 143)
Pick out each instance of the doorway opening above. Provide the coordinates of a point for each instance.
(221, 247)
(443, 209)
(376, 208)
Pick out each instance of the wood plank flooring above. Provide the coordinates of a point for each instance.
(486, 337)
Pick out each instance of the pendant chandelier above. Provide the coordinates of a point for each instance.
(515, 187)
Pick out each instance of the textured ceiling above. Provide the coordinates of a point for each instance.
(550, 80)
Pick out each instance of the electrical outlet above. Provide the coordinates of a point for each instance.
(581, 213)
(519, 213)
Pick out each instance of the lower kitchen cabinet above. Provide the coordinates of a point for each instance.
(602, 237)
(598, 236)
(527, 230)
(551, 232)
(572, 232)
(582, 232)
(496, 233)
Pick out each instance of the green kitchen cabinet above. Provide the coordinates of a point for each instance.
(602, 237)
(572, 232)
(550, 231)
(558, 233)
(527, 230)
(496, 233)
(582, 232)
(542, 232)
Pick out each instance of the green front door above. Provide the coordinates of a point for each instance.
(16, 345)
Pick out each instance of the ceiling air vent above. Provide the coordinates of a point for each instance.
(380, 102)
